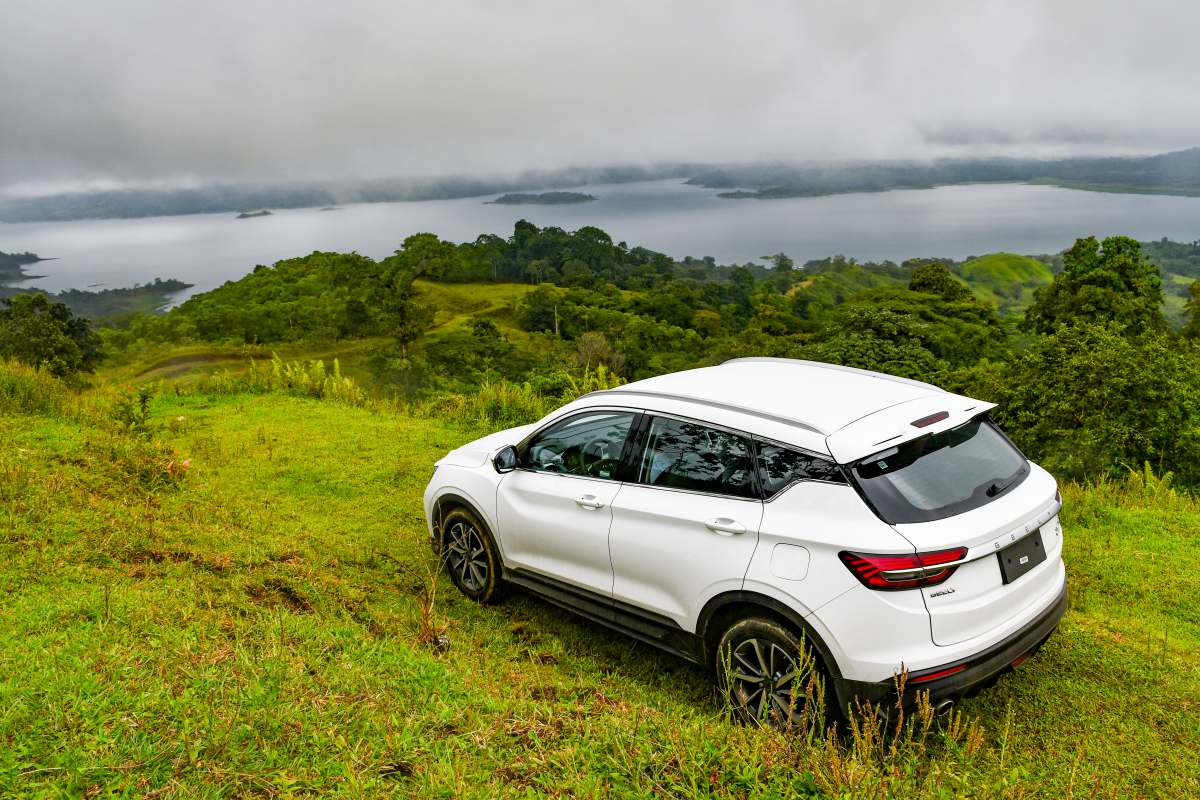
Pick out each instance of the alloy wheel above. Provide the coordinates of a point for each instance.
(466, 556)
(765, 682)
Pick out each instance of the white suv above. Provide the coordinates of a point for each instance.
(747, 509)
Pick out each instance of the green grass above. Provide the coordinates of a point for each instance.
(252, 626)
(1006, 280)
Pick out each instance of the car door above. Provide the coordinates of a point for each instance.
(685, 528)
(555, 509)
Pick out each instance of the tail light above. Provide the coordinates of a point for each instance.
(905, 571)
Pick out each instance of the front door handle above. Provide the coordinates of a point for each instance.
(590, 502)
(725, 526)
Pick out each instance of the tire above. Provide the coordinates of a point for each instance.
(471, 557)
(769, 676)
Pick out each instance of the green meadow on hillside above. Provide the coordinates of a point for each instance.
(231, 594)
(1005, 280)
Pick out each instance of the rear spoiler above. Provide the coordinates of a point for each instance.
(901, 423)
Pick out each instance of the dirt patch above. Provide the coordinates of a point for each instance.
(178, 365)
(275, 592)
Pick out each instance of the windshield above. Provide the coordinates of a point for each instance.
(941, 474)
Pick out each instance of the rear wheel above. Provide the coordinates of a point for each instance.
(769, 676)
(471, 557)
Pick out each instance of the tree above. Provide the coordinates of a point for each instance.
(1109, 282)
(935, 279)
(879, 339)
(402, 316)
(427, 256)
(1191, 328)
(40, 333)
(1090, 399)
(780, 261)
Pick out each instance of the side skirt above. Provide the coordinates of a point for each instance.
(645, 626)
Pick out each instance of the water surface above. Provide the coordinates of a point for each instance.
(680, 220)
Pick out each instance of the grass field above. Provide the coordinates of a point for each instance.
(252, 625)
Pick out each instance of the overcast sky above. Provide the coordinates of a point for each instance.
(163, 91)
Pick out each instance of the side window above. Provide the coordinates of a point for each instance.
(587, 444)
(779, 467)
(687, 455)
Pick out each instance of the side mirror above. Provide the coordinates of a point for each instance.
(505, 460)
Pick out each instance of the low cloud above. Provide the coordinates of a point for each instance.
(130, 91)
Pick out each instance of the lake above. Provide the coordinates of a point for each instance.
(668, 216)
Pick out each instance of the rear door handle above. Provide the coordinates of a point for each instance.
(725, 526)
(589, 501)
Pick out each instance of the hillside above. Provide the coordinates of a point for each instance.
(249, 622)
(1005, 280)
(1166, 173)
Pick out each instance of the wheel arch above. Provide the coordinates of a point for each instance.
(446, 501)
(725, 608)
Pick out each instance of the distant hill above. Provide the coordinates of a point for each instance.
(223, 198)
(1175, 173)
(544, 199)
(111, 304)
(1006, 280)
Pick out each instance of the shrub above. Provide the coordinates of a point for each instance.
(40, 333)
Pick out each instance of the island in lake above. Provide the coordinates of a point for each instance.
(543, 199)
(252, 214)
(12, 266)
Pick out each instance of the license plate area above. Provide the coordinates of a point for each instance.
(1021, 556)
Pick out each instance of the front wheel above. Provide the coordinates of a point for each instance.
(471, 557)
(769, 676)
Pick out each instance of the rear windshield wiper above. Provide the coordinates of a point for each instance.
(1000, 486)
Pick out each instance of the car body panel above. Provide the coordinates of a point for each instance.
(546, 529)
(974, 599)
(666, 560)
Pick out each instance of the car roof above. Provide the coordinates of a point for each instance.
(819, 397)
(798, 402)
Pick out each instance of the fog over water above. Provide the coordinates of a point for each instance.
(954, 222)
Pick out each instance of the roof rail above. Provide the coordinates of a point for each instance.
(713, 404)
(836, 367)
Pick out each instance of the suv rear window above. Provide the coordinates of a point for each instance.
(941, 474)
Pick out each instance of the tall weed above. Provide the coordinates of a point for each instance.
(297, 378)
(31, 390)
(507, 404)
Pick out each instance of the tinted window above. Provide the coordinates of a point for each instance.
(587, 444)
(780, 467)
(687, 455)
(941, 474)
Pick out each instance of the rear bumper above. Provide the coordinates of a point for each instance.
(966, 676)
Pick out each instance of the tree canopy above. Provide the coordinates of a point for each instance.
(40, 333)
(1102, 282)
